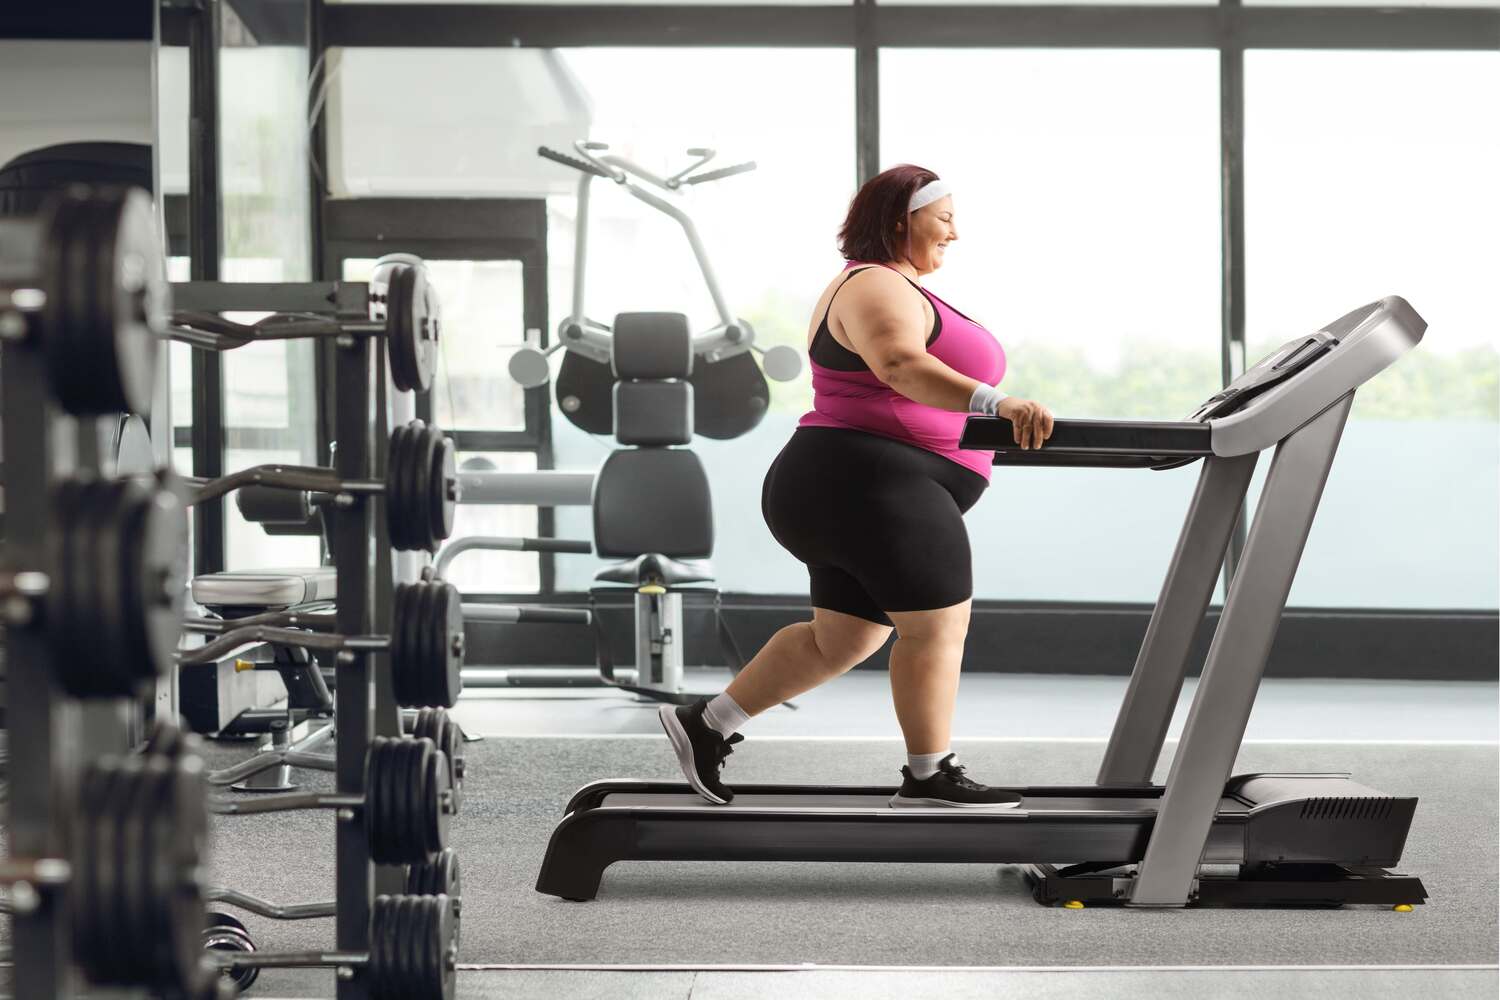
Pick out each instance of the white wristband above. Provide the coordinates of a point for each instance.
(986, 400)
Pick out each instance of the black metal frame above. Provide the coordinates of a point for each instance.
(866, 26)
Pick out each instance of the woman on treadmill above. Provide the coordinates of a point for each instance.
(870, 493)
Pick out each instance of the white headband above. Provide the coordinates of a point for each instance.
(928, 194)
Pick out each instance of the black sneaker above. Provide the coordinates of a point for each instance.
(949, 786)
(700, 749)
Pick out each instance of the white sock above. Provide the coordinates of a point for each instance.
(925, 765)
(724, 716)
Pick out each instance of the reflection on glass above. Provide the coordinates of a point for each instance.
(1087, 206)
(1370, 174)
(479, 572)
(482, 326)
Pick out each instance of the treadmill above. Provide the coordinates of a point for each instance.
(1205, 838)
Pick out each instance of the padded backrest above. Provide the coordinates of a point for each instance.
(655, 413)
(652, 345)
(653, 500)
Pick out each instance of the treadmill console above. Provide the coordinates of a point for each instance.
(1278, 366)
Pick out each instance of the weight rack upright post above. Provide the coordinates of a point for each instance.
(353, 543)
(39, 935)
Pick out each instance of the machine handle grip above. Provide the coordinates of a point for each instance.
(722, 172)
(570, 161)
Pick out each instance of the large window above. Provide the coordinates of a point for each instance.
(1370, 174)
(770, 235)
(1087, 205)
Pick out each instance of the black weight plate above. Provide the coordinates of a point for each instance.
(411, 950)
(438, 932)
(450, 611)
(410, 685)
(156, 576)
(382, 946)
(71, 369)
(429, 313)
(138, 304)
(88, 927)
(402, 525)
(406, 662)
(413, 946)
(411, 328)
(451, 743)
(426, 725)
(405, 513)
(63, 600)
(417, 474)
(183, 829)
(420, 795)
(109, 600)
(421, 799)
(439, 819)
(442, 500)
(218, 918)
(395, 476)
(87, 673)
(394, 836)
(151, 861)
(378, 799)
(428, 442)
(434, 655)
(121, 889)
(401, 328)
(230, 936)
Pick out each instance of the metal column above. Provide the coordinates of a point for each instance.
(1237, 659)
(1141, 727)
(352, 540)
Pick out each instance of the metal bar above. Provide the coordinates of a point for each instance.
(1232, 229)
(317, 140)
(546, 488)
(352, 535)
(254, 296)
(1237, 659)
(922, 26)
(1146, 711)
(34, 814)
(206, 247)
(866, 91)
(276, 911)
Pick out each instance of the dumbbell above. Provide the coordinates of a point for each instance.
(84, 281)
(406, 315)
(421, 488)
(110, 595)
(426, 644)
(132, 876)
(408, 802)
(413, 951)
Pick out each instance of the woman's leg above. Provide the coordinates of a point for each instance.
(800, 657)
(924, 673)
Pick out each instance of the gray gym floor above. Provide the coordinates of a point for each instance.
(718, 930)
(721, 930)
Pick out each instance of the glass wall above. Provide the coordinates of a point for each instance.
(1370, 174)
(770, 235)
(1087, 206)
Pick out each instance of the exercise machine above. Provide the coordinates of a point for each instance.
(654, 385)
(1288, 839)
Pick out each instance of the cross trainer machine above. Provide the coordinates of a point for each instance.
(1292, 839)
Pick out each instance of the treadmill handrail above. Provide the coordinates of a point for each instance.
(1095, 443)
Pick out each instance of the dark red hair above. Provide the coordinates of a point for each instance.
(869, 231)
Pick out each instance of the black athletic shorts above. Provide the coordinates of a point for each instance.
(878, 522)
